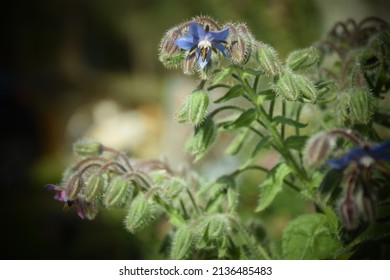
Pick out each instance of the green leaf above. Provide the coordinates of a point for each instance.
(222, 75)
(264, 143)
(236, 145)
(284, 120)
(233, 92)
(272, 185)
(311, 236)
(296, 142)
(244, 120)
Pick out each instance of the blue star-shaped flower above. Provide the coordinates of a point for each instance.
(203, 40)
(363, 155)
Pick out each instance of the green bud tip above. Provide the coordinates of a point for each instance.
(87, 147)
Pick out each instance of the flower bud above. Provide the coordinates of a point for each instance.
(306, 88)
(217, 226)
(268, 59)
(94, 188)
(139, 214)
(117, 192)
(286, 86)
(361, 105)
(87, 147)
(240, 43)
(368, 59)
(348, 213)
(317, 148)
(182, 243)
(170, 55)
(204, 135)
(194, 108)
(74, 187)
(302, 59)
(174, 187)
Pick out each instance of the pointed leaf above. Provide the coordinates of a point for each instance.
(264, 143)
(244, 120)
(222, 75)
(296, 142)
(272, 185)
(233, 92)
(236, 145)
(291, 122)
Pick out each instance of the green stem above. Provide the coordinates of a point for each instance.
(278, 140)
(257, 250)
(283, 128)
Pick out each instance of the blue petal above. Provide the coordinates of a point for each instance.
(221, 48)
(203, 63)
(185, 42)
(195, 29)
(338, 163)
(353, 154)
(220, 35)
(380, 151)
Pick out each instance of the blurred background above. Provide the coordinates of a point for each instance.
(80, 68)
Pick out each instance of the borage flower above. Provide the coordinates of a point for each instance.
(60, 195)
(359, 196)
(363, 156)
(202, 41)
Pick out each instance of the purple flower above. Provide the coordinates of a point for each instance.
(203, 41)
(363, 156)
(60, 195)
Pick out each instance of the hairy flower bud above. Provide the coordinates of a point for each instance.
(306, 88)
(117, 192)
(194, 108)
(361, 105)
(268, 59)
(87, 147)
(317, 148)
(240, 43)
(286, 86)
(217, 226)
(302, 59)
(170, 54)
(368, 59)
(94, 187)
(348, 213)
(182, 243)
(74, 187)
(204, 135)
(139, 214)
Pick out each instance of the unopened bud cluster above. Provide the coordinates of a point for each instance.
(106, 178)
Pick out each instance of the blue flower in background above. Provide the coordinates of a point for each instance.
(363, 156)
(203, 40)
